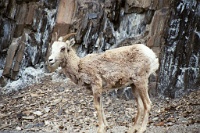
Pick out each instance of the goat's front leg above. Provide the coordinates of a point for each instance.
(147, 106)
(100, 112)
(103, 115)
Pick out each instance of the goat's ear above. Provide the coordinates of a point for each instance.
(62, 49)
(60, 39)
(56, 36)
(72, 42)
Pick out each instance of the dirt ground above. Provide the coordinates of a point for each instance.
(57, 106)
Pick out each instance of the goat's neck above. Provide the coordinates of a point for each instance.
(71, 65)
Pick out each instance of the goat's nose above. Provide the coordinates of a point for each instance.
(50, 60)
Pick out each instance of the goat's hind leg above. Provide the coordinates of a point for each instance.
(100, 112)
(140, 110)
(142, 93)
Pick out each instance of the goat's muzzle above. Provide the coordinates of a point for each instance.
(51, 62)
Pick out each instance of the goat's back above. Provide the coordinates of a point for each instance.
(120, 64)
(124, 55)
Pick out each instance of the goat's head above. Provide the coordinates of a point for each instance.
(60, 50)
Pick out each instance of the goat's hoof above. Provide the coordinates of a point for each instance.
(142, 130)
(102, 129)
(106, 125)
(132, 131)
(136, 129)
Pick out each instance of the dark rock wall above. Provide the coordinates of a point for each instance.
(26, 26)
(169, 27)
(180, 61)
(102, 25)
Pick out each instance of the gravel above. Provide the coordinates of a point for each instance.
(56, 106)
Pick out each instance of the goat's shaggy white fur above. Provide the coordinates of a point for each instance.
(116, 68)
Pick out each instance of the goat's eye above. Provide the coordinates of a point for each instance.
(62, 49)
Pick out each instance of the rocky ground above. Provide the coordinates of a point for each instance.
(55, 106)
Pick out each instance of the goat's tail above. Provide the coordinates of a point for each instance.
(154, 66)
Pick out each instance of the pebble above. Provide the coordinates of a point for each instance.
(28, 117)
(47, 109)
(38, 113)
(155, 119)
(18, 128)
(77, 113)
(170, 124)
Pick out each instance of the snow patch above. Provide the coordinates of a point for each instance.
(197, 32)
(29, 76)
(130, 26)
(1, 71)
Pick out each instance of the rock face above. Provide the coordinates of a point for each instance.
(170, 28)
(180, 58)
(27, 26)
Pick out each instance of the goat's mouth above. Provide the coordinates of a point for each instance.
(54, 64)
(51, 64)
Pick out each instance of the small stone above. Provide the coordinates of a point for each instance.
(39, 113)
(47, 122)
(28, 117)
(77, 130)
(47, 109)
(160, 124)
(92, 16)
(56, 101)
(60, 112)
(39, 124)
(28, 126)
(155, 118)
(1, 105)
(18, 128)
(171, 120)
(61, 89)
(61, 127)
(170, 124)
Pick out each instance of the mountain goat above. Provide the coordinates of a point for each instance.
(113, 69)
